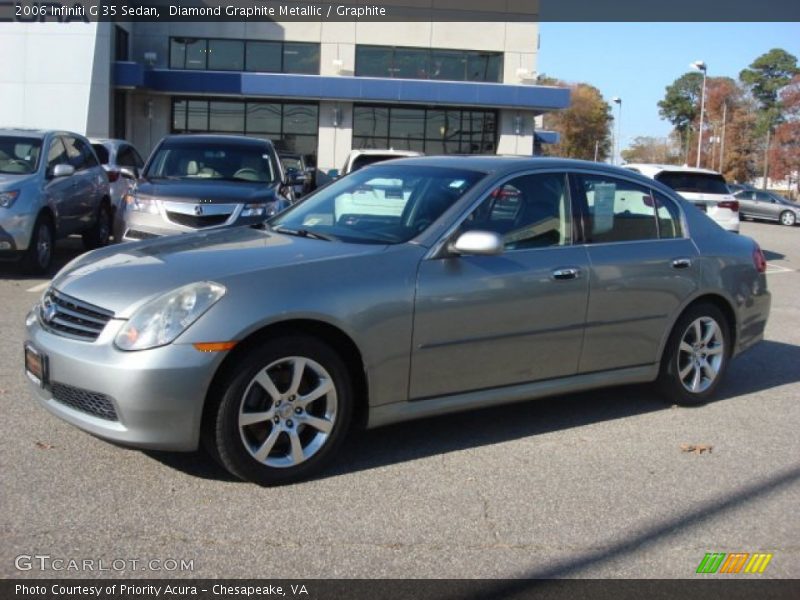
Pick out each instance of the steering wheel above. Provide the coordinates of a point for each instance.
(246, 173)
(19, 162)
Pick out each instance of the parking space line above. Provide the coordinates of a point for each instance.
(773, 268)
(40, 287)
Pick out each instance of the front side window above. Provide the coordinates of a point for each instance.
(379, 205)
(618, 210)
(531, 211)
(56, 155)
(19, 155)
(79, 154)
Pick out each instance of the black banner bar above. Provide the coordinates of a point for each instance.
(68, 11)
(735, 588)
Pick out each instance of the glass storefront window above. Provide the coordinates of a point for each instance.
(226, 116)
(426, 63)
(264, 57)
(301, 58)
(197, 115)
(225, 55)
(433, 130)
(263, 117)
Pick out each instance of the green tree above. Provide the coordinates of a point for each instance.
(681, 103)
(765, 78)
(647, 149)
(584, 128)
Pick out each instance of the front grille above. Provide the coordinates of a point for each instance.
(70, 317)
(197, 222)
(92, 403)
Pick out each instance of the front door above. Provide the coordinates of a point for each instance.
(489, 321)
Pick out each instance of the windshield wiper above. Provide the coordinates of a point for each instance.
(304, 233)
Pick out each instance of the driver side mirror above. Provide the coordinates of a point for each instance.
(478, 243)
(63, 170)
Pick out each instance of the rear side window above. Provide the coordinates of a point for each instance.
(619, 211)
(696, 183)
(669, 217)
(127, 157)
(102, 153)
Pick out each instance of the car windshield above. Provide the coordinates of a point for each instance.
(379, 205)
(290, 162)
(19, 155)
(214, 161)
(698, 183)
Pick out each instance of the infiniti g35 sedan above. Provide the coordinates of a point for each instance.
(410, 288)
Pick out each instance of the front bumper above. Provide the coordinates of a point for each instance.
(157, 395)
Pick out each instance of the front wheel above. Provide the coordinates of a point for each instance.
(39, 256)
(788, 218)
(282, 412)
(696, 356)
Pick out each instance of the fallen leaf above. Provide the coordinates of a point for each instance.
(697, 448)
(44, 446)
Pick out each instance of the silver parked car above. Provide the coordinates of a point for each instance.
(123, 164)
(51, 186)
(410, 288)
(760, 204)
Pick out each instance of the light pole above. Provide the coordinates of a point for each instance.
(617, 100)
(701, 66)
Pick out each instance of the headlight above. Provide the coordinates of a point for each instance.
(7, 198)
(141, 204)
(163, 319)
(254, 210)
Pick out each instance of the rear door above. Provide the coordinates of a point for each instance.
(642, 268)
(489, 321)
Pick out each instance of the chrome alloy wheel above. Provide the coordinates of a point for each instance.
(700, 355)
(287, 412)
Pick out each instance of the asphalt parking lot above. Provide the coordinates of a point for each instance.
(589, 485)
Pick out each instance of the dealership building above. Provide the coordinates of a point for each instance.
(318, 88)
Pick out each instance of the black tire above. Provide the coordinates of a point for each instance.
(39, 255)
(235, 447)
(100, 232)
(674, 388)
(788, 218)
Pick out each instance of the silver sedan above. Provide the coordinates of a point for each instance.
(410, 288)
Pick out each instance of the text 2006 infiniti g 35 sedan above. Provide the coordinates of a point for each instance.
(410, 288)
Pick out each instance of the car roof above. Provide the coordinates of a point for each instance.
(32, 133)
(210, 138)
(653, 169)
(384, 152)
(109, 141)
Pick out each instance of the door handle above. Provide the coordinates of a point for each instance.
(566, 273)
(681, 263)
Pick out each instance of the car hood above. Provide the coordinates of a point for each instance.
(12, 180)
(121, 278)
(208, 191)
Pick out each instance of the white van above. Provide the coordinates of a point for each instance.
(704, 188)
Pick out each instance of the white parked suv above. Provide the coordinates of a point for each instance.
(361, 158)
(704, 188)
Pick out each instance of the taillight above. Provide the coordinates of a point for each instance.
(732, 204)
(759, 262)
(112, 176)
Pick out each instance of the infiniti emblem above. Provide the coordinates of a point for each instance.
(198, 210)
(48, 310)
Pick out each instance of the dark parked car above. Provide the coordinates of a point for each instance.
(407, 289)
(199, 182)
(760, 204)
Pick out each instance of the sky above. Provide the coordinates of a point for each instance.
(636, 61)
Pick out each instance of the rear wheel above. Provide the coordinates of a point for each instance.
(39, 256)
(282, 412)
(98, 235)
(788, 218)
(696, 356)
